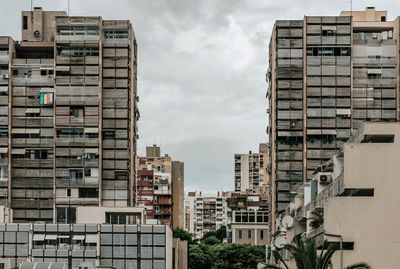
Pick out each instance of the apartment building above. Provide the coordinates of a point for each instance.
(204, 214)
(346, 200)
(247, 219)
(68, 116)
(326, 76)
(160, 186)
(251, 171)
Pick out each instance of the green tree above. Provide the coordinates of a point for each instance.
(306, 256)
(237, 256)
(211, 240)
(220, 234)
(200, 256)
(182, 235)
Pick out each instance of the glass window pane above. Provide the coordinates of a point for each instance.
(146, 264)
(131, 239)
(146, 239)
(159, 252)
(159, 239)
(146, 252)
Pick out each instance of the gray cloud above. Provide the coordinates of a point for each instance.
(202, 71)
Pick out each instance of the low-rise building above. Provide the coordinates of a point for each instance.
(353, 198)
(247, 219)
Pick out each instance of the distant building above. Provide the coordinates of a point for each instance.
(204, 214)
(161, 187)
(251, 171)
(355, 196)
(247, 219)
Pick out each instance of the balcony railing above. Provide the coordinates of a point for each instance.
(334, 189)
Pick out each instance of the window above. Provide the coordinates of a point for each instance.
(76, 111)
(240, 234)
(328, 32)
(41, 154)
(66, 215)
(383, 18)
(262, 235)
(75, 174)
(25, 22)
(249, 234)
(68, 192)
(107, 135)
(88, 193)
(87, 172)
(121, 175)
(378, 139)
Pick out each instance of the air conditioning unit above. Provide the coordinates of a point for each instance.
(325, 178)
(5, 76)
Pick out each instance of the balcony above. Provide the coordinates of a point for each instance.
(33, 81)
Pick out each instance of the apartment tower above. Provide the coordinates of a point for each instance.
(160, 187)
(326, 76)
(68, 112)
(251, 171)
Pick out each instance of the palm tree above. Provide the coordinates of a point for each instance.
(306, 257)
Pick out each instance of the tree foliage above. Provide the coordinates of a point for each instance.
(182, 235)
(211, 240)
(306, 256)
(224, 256)
(220, 234)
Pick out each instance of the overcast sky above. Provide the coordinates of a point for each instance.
(202, 67)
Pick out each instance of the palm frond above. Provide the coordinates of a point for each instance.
(271, 266)
(361, 265)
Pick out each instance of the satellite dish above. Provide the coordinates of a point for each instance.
(280, 241)
(36, 33)
(287, 221)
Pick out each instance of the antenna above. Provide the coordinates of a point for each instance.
(69, 6)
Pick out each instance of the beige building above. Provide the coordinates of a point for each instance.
(250, 227)
(68, 112)
(251, 171)
(354, 196)
(168, 186)
(326, 76)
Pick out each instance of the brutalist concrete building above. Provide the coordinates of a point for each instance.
(68, 113)
(326, 76)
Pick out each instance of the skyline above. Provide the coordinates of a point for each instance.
(205, 91)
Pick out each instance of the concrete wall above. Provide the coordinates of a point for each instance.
(370, 222)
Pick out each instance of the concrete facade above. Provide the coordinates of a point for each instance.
(326, 76)
(251, 171)
(204, 214)
(68, 116)
(168, 187)
(359, 202)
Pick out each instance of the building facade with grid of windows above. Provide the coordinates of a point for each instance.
(326, 76)
(68, 113)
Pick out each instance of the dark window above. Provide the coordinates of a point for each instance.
(68, 192)
(262, 235)
(358, 192)
(328, 32)
(240, 234)
(25, 22)
(87, 172)
(121, 175)
(383, 18)
(76, 111)
(75, 174)
(237, 218)
(88, 193)
(66, 215)
(41, 154)
(249, 234)
(378, 139)
(108, 135)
